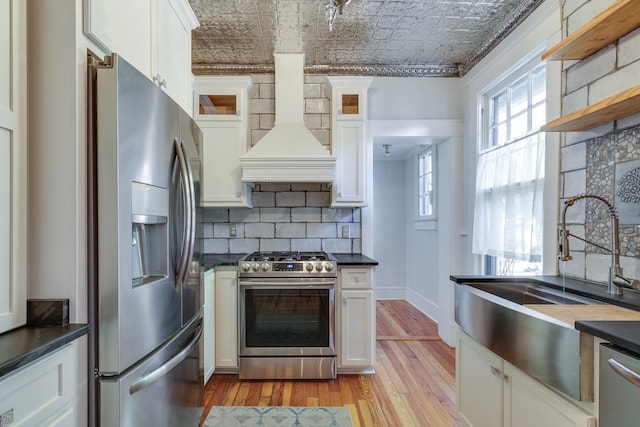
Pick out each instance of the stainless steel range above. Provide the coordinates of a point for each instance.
(287, 315)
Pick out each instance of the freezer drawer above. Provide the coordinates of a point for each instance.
(164, 389)
(619, 388)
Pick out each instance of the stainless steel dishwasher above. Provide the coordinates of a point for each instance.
(619, 387)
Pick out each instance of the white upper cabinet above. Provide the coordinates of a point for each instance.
(222, 98)
(348, 139)
(171, 67)
(152, 35)
(221, 109)
(121, 26)
(13, 163)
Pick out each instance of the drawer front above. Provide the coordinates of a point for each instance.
(355, 278)
(37, 391)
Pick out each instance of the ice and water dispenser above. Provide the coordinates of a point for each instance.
(149, 245)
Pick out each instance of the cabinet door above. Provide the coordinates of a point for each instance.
(219, 104)
(479, 384)
(530, 404)
(355, 278)
(121, 26)
(357, 324)
(44, 391)
(226, 319)
(13, 163)
(209, 324)
(349, 103)
(171, 67)
(221, 146)
(349, 148)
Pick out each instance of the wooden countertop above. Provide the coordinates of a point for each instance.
(571, 313)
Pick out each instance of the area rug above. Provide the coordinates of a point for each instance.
(278, 416)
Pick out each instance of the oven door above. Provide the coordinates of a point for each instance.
(287, 317)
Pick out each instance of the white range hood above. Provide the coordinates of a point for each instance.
(289, 152)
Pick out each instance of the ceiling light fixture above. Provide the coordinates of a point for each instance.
(386, 156)
(333, 9)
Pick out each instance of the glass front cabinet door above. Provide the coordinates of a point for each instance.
(220, 98)
(349, 103)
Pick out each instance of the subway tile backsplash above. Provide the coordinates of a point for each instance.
(284, 217)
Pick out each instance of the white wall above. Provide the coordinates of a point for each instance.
(389, 228)
(422, 260)
(414, 98)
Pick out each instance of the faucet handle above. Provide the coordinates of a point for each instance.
(564, 254)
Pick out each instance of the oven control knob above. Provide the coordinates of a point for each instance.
(328, 266)
(246, 266)
(265, 267)
(318, 267)
(255, 267)
(309, 267)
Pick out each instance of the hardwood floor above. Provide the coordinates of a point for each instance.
(414, 384)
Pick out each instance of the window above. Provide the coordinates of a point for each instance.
(510, 174)
(515, 109)
(426, 193)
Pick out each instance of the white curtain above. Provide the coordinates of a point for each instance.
(508, 206)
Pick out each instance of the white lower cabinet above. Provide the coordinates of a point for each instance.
(355, 320)
(226, 319)
(209, 324)
(44, 392)
(491, 392)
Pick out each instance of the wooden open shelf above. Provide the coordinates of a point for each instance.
(613, 108)
(616, 21)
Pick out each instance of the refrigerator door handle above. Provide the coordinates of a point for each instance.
(191, 212)
(186, 229)
(148, 379)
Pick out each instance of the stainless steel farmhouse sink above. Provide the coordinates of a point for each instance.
(496, 315)
(530, 293)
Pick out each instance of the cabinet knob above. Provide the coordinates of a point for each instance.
(161, 82)
(344, 301)
(498, 373)
(339, 112)
(238, 113)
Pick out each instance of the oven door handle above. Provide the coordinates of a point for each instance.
(287, 285)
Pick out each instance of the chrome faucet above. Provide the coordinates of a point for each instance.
(616, 281)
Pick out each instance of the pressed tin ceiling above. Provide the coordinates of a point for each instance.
(371, 37)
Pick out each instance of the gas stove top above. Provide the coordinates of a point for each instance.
(288, 264)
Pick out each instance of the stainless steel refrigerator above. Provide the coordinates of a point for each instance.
(145, 296)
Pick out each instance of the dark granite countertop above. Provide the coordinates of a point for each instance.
(215, 260)
(354, 259)
(28, 343)
(624, 334)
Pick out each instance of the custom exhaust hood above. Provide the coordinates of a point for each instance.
(289, 152)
